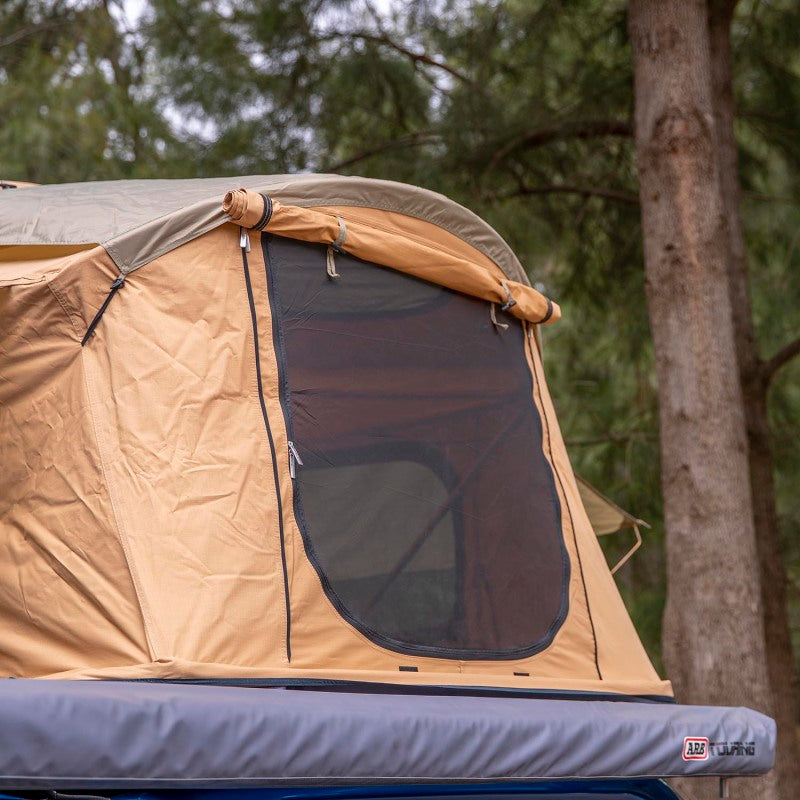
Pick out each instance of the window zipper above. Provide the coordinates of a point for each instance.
(294, 459)
(244, 243)
(115, 287)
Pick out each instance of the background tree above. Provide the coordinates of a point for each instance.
(74, 98)
(712, 566)
(756, 375)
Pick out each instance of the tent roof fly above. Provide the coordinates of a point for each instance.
(138, 220)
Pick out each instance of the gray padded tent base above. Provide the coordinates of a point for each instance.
(80, 735)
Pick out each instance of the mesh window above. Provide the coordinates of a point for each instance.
(425, 500)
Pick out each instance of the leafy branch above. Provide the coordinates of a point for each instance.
(573, 129)
(780, 359)
(615, 195)
(416, 139)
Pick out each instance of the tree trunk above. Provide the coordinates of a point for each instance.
(755, 385)
(713, 633)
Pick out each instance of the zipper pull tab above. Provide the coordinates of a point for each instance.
(244, 240)
(294, 459)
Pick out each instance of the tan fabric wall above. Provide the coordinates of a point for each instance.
(620, 655)
(172, 371)
(66, 598)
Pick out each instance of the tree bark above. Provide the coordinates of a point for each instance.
(713, 634)
(755, 386)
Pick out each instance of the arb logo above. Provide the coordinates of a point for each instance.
(695, 748)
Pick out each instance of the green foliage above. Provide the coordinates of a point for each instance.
(72, 98)
(768, 96)
(520, 109)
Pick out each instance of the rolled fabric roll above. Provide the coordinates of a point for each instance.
(244, 207)
(390, 249)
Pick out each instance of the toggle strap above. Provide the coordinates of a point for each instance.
(493, 316)
(510, 301)
(333, 248)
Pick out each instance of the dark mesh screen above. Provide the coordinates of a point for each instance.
(426, 502)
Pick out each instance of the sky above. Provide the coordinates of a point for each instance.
(133, 9)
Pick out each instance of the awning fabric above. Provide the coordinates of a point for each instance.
(82, 735)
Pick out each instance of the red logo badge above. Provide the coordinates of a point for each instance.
(695, 748)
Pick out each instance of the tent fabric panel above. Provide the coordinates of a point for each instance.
(141, 219)
(619, 652)
(605, 517)
(322, 638)
(410, 255)
(604, 514)
(188, 461)
(66, 597)
(113, 735)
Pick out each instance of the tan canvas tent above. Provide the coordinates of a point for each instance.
(294, 431)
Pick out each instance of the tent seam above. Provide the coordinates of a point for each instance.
(62, 301)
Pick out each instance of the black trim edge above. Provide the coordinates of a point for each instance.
(266, 216)
(377, 687)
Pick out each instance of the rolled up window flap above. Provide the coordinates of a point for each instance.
(246, 208)
(390, 249)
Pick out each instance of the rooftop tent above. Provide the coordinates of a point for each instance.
(293, 432)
